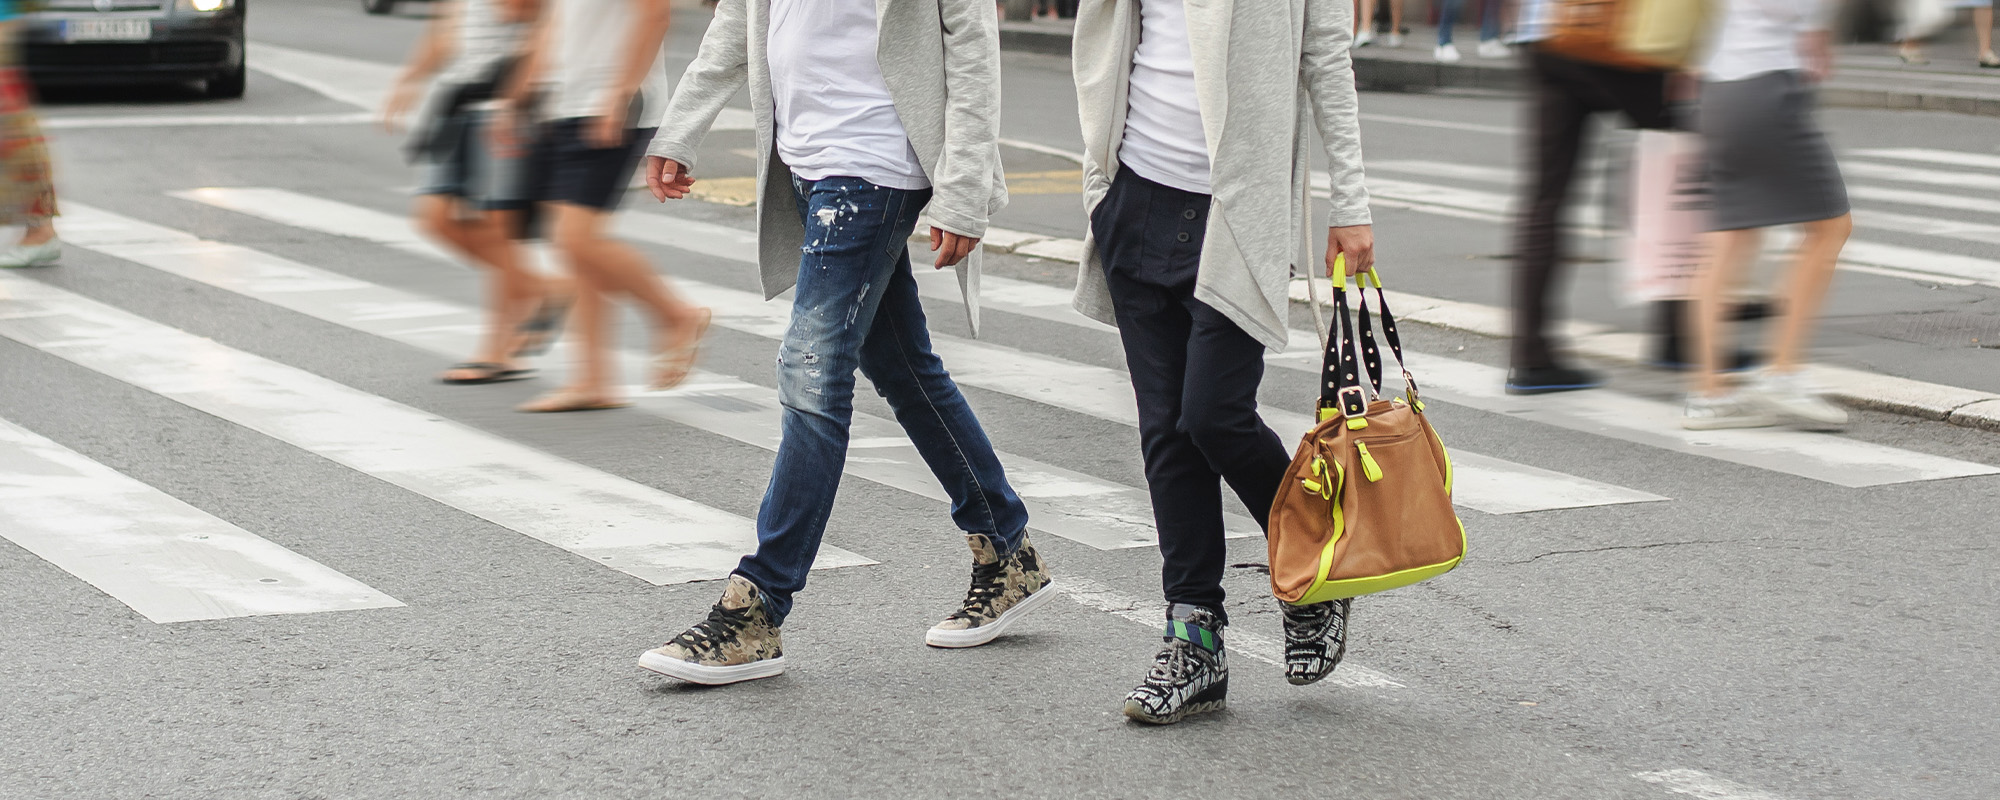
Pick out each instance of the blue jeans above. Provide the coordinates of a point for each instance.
(857, 307)
(1489, 20)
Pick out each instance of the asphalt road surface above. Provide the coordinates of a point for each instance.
(255, 550)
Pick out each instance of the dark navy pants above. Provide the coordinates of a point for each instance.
(1196, 375)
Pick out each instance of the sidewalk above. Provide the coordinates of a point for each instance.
(1865, 75)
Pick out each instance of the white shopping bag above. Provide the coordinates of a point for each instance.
(1670, 208)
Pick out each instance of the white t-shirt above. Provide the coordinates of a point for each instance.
(1755, 37)
(1164, 142)
(589, 50)
(482, 39)
(834, 114)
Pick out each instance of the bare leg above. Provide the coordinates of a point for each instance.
(604, 266)
(1812, 273)
(1364, 18)
(514, 291)
(1396, 17)
(1982, 29)
(1728, 253)
(38, 231)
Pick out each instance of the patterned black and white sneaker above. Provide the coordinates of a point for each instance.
(1190, 675)
(1315, 639)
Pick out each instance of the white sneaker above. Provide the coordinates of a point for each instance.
(32, 255)
(1732, 410)
(1446, 54)
(1364, 38)
(1393, 40)
(1787, 397)
(1494, 48)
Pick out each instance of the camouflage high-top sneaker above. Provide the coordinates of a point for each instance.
(1002, 590)
(1190, 675)
(1315, 639)
(736, 643)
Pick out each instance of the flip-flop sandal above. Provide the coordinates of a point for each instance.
(674, 364)
(489, 373)
(561, 402)
(540, 330)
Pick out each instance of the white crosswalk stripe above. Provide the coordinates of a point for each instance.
(1493, 485)
(167, 560)
(1832, 459)
(1066, 503)
(635, 529)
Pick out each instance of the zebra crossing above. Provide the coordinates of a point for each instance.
(173, 562)
(1865, 170)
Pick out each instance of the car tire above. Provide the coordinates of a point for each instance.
(228, 86)
(378, 6)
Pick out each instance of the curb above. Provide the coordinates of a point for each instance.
(1968, 408)
(1376, 73)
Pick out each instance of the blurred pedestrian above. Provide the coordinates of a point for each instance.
(1565, 93)
(471, 197)
(1364, 23)
(868, 114)
(1769, 165)
(1490, 45)
(1911, 47)
(1193, 239)
(596, 64)
(27, 190)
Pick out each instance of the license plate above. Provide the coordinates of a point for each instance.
(107, 30)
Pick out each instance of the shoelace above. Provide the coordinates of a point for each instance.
(722, 624)
(1172, 663)
(986, 587)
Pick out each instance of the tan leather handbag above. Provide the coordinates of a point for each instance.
(1631, 34)
(1366, 506)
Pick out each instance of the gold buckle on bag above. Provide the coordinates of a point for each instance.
(1361, 402)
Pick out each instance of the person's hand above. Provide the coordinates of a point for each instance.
(1357, 243)
(606, 128)
(1817, 49)
(400, 99)
(950, 247)
(667, 178)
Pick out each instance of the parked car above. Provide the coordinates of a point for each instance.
(125, 41)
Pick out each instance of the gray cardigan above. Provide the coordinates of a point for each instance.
(1264, 71)
(941, 60)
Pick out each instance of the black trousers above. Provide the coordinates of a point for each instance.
(1566, 93)
(1196, 376)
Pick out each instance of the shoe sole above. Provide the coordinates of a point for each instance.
(1136, 711)
(1728, 424)
(711, 676)
(974, 637)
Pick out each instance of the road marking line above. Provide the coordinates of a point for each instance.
(1492, 485)
(165, 559)
(352, 81)
(1505, 130)
(1936, 177)
(1952, 157)
(1098, 596)
(203, 120)
(1066, 503)
(1831, 459)
(635, 529)
(1703, 786)
(1955, 202)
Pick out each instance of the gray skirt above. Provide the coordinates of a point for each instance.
(1768, 162)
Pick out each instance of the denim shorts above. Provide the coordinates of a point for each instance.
(469, 169)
